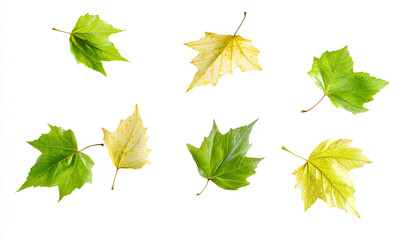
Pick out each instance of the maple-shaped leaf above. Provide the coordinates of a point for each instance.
(333, 74)
(60, 164)
(127, 146)
(89, 42)
(222, 158)
(325, 174)
(221, 54)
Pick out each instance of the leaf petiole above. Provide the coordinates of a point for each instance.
(203, 188)
(303, 111)
(98, 144)
(115, 175)
(60, 31)
(245, 14)
(294, 153)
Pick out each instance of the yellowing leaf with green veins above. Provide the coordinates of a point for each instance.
(325, 174)
(89, 42)
(221, 54)
(127, 146)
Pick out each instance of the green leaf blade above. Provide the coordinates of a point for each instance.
(202, 155)
(360, 89)
(331, 67)
(92, 24)
(230, 149)
(237, 177)
(74, 174)
(222, 158)
(333, 74)
(90, 45)
(84, 55)
(60, 163)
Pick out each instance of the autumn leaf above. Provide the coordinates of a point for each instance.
(221, 158)
(333, 74)
(60, 164)
(325, 174)
(89, 42)
(221, 54)
(127, 146)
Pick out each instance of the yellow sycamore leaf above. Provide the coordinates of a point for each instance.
(127, 146)
(221, 54)
(325, 174)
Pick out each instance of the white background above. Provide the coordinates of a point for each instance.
(42, 84)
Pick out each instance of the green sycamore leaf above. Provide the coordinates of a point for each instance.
(90, 45)
(221, 158)
(60, 164)
(333, 74)
(325, 174)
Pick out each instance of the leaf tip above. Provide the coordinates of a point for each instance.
(60, 198)
(21, 188)
(214, 125)
(253, 123)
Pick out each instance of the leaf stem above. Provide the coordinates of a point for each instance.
(203, 188)
(245, 14)
(294, 153)
(98, 144)
(60, 31)
(115, 175)
(303, 111)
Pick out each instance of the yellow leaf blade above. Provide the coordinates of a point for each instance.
(325, 175)
(127, 146)
(328, 182)
(340, 151)
(221, 54)
(307, 182)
